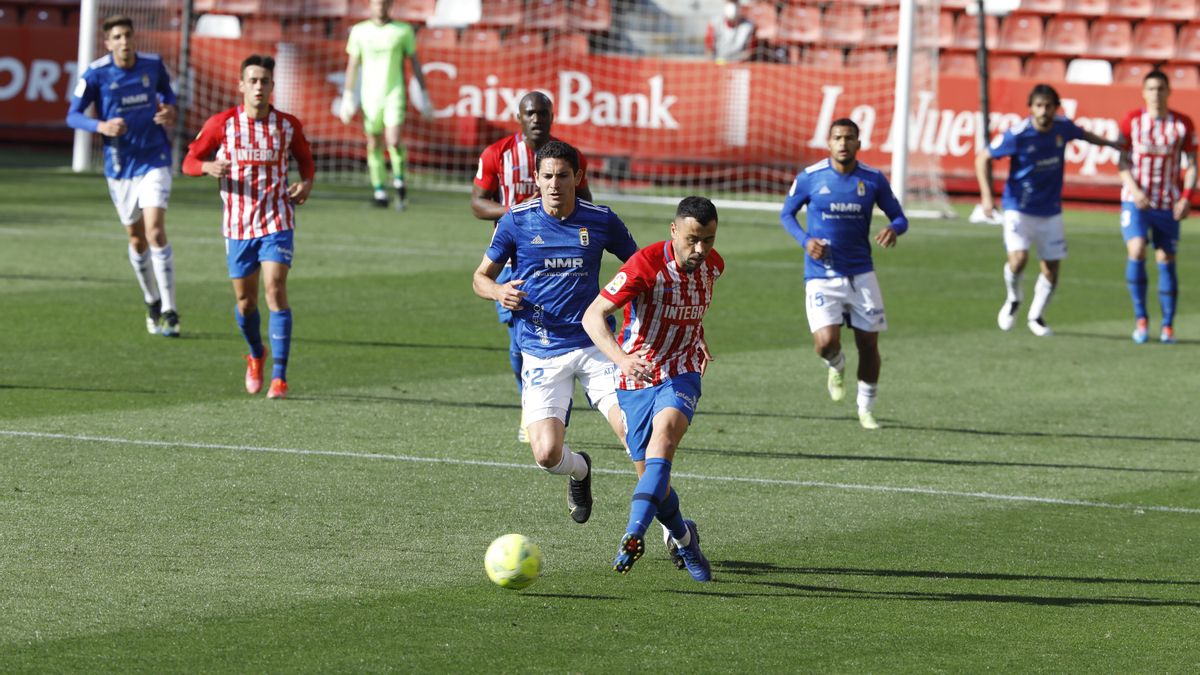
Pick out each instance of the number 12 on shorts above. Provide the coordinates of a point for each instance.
(533, 376)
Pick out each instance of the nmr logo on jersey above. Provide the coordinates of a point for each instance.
(563, 263)
(845, 207)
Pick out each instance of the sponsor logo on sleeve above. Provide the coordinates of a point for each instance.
(616, 283)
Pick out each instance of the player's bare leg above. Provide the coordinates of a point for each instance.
(279, 325)
(162, 259)
(869, 365)
(1043, 290)
(143, 269)
(547, 441)
(1013, 269)
(395, 149)
(827, 341)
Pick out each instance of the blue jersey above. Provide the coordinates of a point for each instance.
(1035, 172)
(839, 213)
(132, 94)
(559, 260)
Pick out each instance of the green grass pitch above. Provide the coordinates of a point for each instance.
(1031, 504)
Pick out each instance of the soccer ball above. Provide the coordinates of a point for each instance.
(513, 561)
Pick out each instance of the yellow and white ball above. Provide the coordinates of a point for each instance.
(513, 561)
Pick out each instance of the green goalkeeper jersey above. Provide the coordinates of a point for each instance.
(381, 51)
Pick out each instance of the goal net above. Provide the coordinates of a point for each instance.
(632, 83)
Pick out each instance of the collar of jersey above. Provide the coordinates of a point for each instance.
(541, 210)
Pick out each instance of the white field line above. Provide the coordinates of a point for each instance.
(694, 476)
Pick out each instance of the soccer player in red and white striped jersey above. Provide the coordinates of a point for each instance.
(247, 149)
(665, 288)
(506, 178)
(1153, 198)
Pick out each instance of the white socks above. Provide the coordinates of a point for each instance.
(866, 396)
(1012, 283)
(145, 275)
(163, 261)
(1043, 290)
(838, 362)
(571, 464)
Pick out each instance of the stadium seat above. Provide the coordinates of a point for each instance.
(1066, 35)
(502, 12)
(945, 29)
(843, 25)
(262, 28)
(594, 15)
(281, 8)
(236, 7)
(1021, 33)
(413, 11)
(545, 14)
(1187, 45)
(1131, 72)
(9, 15)
(1050, 7)
(1154, 40)
(966, 32)
(1046, 69)
(799, 24)
(868, 59)
(480, 39)
(1089, 71)
(1004, 66)
(219, 26)
(569, 44)
(1111, 38)
(958, 64)
(823, 57)
(1183, 75)
(765, 19)
(1175, 10)
(1133, 9)
(309, 27)
(42, 17)
(524, 41)
(325, 8)
(1087, 7)
(870, 3)
(436, 38)
(882, 27)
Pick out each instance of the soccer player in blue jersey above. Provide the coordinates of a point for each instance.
(1032, 200)
(839, 275)
(135, 106)
(557, 241)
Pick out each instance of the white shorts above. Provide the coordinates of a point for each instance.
(549, 384)
(1046, 232)
(855, 300)
(151, 190)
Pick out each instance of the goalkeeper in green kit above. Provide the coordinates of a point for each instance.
(378, 47)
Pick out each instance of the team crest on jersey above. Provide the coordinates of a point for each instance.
(862, 189)
(146, 81)
(583, 236)
(616, 283)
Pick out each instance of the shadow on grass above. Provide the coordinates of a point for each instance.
(60, 277)
(573, 596)
(232, 335)
(753, 568)
(90, 390)
(405, 400)
(1118, 338)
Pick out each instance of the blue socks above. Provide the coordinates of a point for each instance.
(1168, 291)
(649, 495)
(514, 354)
(669, 515)
(280, 328)
(1135, 277)
(249, 325)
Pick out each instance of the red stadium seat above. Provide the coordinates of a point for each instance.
(238, 7)
(262, 28)
(765, 19)
(480, 39)
(945, 30)
(823, 57)
(413, 11)
(1046, 69)
(1066, 35)
(545, 14)
(881, 27)
(569, 44)
(966, 32)
(281, 8)
(1051, 7)
(524, 41)
(42, 17)
(1134, 9)
(1021, 33)
(958, 64)
(311, 28)
(1187, 47)
(436, 38)
(800, 24)
(9, 15)
(1131, 72)
(1183, 75)
(1154, 40)
(502, 12)
(868, 59)
(595, 15)
(1087, 7)
(843, 25)
(1004, 66)
(334, 9)
(957, 4)
(1111, 38)
(1176, 10)
(869, 3)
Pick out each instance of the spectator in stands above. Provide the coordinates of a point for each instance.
(730, 37)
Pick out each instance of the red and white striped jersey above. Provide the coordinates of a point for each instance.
(664, 308)
(255, 190)
(506, 167)
(1156, 144)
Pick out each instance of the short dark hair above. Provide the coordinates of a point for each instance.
(1044, 91)
(844, 122)
(1157, 74)
(265, 62)
(116, 20)
(557, 150)
(700, 208)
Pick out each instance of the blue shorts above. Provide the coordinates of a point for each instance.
(1137, 222)
(639, 406)
(244, 256)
